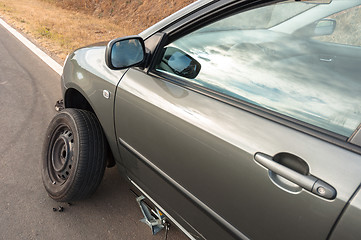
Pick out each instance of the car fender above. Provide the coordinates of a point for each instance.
(86, 72)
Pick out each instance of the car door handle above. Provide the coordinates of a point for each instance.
(326, 59)
(308, 182)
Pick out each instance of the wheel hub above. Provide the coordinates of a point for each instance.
(62, 156)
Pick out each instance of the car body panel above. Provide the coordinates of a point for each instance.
(356, 138)
(193, 152)
(197, 146)
(86, 72)
(349, 225)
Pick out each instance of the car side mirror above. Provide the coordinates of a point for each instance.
(180, 63)
(325, 27)
(125, 52)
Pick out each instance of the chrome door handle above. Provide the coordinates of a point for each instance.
(307, 182)
(326, 59)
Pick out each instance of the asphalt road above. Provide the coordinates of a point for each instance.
(28, 92)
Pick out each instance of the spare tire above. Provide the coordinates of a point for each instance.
(73, 158)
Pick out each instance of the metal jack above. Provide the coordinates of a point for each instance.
(155, 221)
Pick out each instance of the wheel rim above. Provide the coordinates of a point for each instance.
(60, 158)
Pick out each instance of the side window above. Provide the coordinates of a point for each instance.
(268, 57)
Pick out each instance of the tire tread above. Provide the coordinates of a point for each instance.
(90, 156)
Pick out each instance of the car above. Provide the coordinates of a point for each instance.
(229, 119)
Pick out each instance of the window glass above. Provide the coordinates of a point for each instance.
(277, 63)
(260, 18)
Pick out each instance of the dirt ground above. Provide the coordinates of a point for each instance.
(60, 26)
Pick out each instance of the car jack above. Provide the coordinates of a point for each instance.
(156, 220)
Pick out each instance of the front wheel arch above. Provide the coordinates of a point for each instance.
(75, 99)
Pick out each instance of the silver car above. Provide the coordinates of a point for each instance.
(229, 119)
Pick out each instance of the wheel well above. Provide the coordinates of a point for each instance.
(74, 99)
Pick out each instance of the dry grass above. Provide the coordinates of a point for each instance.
(135, 14)
(60, 26)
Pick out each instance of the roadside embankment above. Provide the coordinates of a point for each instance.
(60, 26)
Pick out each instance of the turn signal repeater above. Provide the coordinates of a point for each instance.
(106, 94)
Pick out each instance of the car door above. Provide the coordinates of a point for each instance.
(234, 141)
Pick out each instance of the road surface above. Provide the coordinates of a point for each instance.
(28, 92)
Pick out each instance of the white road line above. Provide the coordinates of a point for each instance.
(42, 55)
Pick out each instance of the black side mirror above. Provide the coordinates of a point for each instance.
(125, 52)
(180, 63)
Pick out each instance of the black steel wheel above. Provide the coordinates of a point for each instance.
(73, 160)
